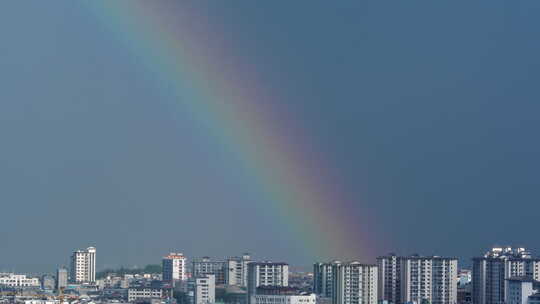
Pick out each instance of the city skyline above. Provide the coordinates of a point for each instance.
(297, 132)
(188, 262)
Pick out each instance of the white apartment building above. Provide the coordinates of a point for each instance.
(18, 280)
(354, 283)
(143, 293)
(417, 279)
(83, 266)
(491, 271)
(236, 270)
(202, 289)
(323, 279)
(285, 299)
(266, 274)
(174, 267)
(205, 266)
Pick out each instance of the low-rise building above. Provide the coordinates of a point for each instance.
(136, 294)
(282, 295)
(18, 280)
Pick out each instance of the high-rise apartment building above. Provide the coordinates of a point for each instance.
(490, 272)
(323, 277)
(266, 274)
(417, 279)
(83, 266)
(174, 267)
(389, 283)
(236, 270)
(354, 283)
(205, 266)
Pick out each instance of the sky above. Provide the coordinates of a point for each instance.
(426, 110)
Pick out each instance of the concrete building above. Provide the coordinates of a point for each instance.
(389, 279)
(266, 274)
(282, 295)
(518, 290)
(205, 266)
(491, 271)
(174, 267)
(140, 294)
(202, 289)
(83, 266)
(417, 279)
(61, 278)
(236, 270)
(323, 279)
(354, 283)
(18, 280)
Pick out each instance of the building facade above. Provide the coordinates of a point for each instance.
(418, 279)
(83, 266)
(205, 266)
(202, 289)
(140, 294)
(518, 290)
(61, 278)
(266, 274)
(174, 267)
(323, 279)
(389, 283)
(282, 295)
(354, 283)
(18, 280)
(236, 270)
(490, 273)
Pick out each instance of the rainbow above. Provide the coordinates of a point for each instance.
(238, 111)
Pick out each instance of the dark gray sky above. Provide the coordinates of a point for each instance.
(428, 108)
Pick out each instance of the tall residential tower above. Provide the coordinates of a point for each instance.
(83, 266)
(354, 283)
(490, 272)
(418, 279)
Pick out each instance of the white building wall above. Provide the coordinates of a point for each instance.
(355, 283)
(284, 299)
(266, 274)
(203, 289)
(174, 267)
(518, 291)
(83, 266)
(136, 294)
(18, 280)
